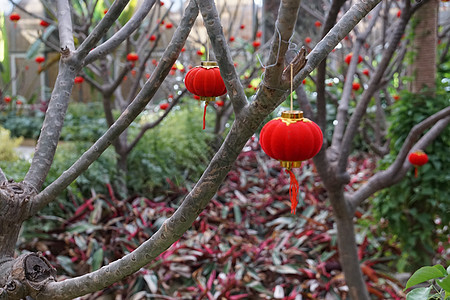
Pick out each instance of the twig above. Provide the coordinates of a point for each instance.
(2, 176)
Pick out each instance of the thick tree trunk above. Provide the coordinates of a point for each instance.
(424, 44)
(348, 252)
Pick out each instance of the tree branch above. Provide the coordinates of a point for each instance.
(112, 43)
(399, 167)
(222, 52)
(125, 119)
(2, 176)
(105, 23)
(65, 25)
(373, 85)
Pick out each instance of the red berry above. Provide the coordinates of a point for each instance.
(105, 11)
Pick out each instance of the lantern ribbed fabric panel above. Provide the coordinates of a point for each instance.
(205, 82)
(291, 140)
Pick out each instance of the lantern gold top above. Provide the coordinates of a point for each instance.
(209, 64)
(292, 114)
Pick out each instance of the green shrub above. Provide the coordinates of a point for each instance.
(417, 208)
(177, 149)
(7, 145)
(84, 122)
(27, 126)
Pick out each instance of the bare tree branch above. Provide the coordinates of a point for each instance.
(2, 176)
(54, 117)
(222, 52)
(65, 25)
(112, 43)
(360, 111)
(133, 110)
(399, 167)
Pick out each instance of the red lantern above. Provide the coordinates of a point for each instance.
(78, 80)
(7, 99)
(44, 23)
(399, 13)
(206, 82)
(291, 139)
(14, 17)
(164, 106)
(317, 24)
(355, 86)
(231, 38)
(366, 72)
(348, 58)
(256, 44)
(307, 40)
(39, 59)
(200, 52)
(242, 26)
(152, 38)
(132, 56)
(259, 34)
(169, 25)
(396, 97)
(417, 158)
(183, 49)
(220, 103)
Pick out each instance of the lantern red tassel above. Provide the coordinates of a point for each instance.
(206, 82)
(291, 139)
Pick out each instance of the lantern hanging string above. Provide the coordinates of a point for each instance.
(292, 86)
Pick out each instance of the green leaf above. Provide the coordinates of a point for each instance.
(445, 283)
(424, 274)
(97, 259)
(419, 294)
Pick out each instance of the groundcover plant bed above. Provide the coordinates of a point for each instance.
(245, 245)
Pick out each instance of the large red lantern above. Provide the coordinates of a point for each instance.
(417, 158)
(14, 17)
(291, 139)
(206, 82)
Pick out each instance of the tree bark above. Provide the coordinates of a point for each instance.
(423, 68)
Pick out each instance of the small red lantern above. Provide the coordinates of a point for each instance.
(14, 17)
(19, 102)
(396, 97)
(231, 38)
(152, 38)
(39, 59)
(78, 80)
(200, 52)
(307, 40)
(259, 34)
(366, 72)
(169, 25)
(317, 24)
(242, 26)
(183, 49)
(256, 44)
(355, 86)
(291, 139)
(206, 82)
(164, 106)
(417, 158)
(399, 13)
(220, 103)
(348, 58)
(132, 57)
(7, 99)
(44, 23)
(105, 11)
